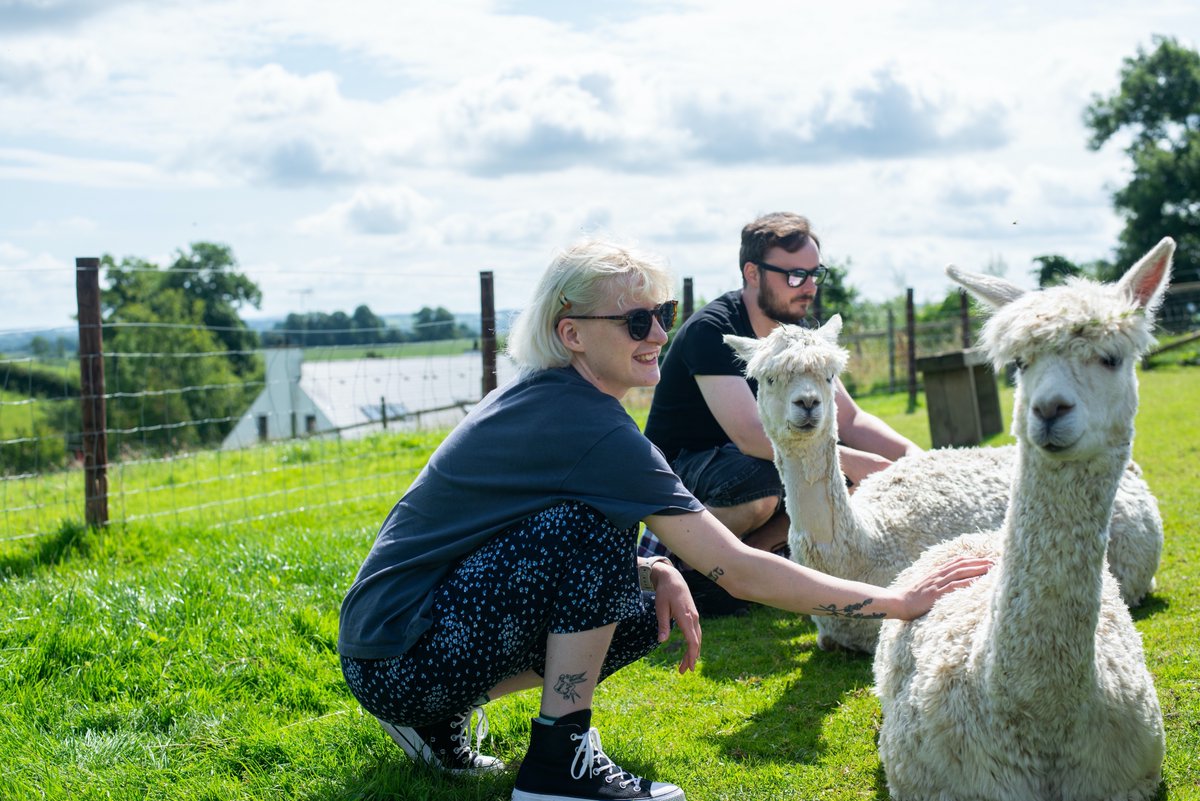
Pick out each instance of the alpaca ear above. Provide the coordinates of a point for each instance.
(993, 291)
(1145, 283)
(831, 329)
(744, 347)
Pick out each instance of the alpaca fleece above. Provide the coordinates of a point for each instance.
(1031, 683)
(897, 513)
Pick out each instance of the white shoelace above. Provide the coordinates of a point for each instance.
(463, 722)
(589, 753)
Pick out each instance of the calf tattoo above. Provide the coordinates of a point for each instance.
(715, 574)
(851, 610)
(567, 682)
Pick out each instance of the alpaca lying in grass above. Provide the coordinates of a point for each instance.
(1031, 683)
(899, 512)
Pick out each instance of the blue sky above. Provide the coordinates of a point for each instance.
(385, 153)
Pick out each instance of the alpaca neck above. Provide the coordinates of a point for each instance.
(1047, 599)
(818, 502)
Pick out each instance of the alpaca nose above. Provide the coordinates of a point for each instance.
(807, 403)
(1051, 409)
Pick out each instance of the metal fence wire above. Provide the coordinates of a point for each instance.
(185, 439)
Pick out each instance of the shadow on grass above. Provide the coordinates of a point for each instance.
(403, 781)
(791, 730)
(757, 644)
(1151, 605)
(765, 643)
(51, 549)
(881, 790)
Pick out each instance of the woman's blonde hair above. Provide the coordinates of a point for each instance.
(580, 280)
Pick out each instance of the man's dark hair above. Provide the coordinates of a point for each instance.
(781, 229)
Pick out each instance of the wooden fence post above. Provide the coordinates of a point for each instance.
(487, 339)
(891, 344)
(91, 392)
(911, 329)
(687, 299)
(964, 314)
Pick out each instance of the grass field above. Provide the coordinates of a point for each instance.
(172, 658)
(402, 350)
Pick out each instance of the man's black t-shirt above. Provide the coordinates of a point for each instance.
(679, 418)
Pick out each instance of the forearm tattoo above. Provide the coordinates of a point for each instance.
(851, 610)
(567, 682)
(715, 574)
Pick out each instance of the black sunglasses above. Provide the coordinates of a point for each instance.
(640, 321)
(797, 278)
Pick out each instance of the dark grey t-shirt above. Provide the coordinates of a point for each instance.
(530, 445)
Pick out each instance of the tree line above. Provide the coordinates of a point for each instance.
(363, 327)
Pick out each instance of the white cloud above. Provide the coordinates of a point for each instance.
(42, 284)
(44, 228)
(691, 222)
(371, 211)
(11, 253)
(32, 15)
(880, 118)
(506, 228)
(22, 164)
(433, 139)
(49, 68)
(540, 117)
(534, 118)
(284, 130)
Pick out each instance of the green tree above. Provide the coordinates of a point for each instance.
(318, 329)
(1053, 269)
(837, 297)
(368, 328)
(206, 273)
(1158, 107)
(182, 364)
(432, 324)
(171, 386)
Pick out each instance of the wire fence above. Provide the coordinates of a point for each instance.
(190, 441)
(332, 432)
(310, 429)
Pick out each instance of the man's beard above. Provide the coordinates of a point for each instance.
(770, 305)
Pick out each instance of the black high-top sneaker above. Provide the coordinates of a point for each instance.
(566, 763)
(446, 746)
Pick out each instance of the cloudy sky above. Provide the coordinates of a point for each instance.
(384, 152)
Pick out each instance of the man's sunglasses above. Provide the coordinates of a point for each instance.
(640, 321)
(797, 278)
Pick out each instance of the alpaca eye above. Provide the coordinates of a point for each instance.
(769, 381)
(1020, 364)
(1111, 362)
(829, 380)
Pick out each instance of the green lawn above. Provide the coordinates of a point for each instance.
(176, 659)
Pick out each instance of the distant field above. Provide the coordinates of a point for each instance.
(403, 350)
